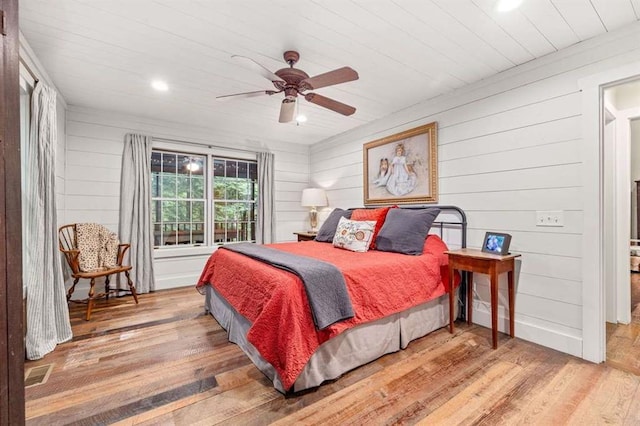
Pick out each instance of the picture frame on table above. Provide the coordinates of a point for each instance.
(496, 243)
(402, 168)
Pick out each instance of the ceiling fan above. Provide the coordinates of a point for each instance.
(294, 82)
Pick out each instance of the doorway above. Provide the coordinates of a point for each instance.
(621, 168)
(622, 349)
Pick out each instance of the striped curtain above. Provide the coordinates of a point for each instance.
(135, 209)
(265, 228)
(47, 312)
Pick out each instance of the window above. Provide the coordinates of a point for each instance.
(185, 212)
(178, 198)
(235, 191)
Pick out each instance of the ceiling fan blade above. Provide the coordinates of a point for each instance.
(260, 69)
(287, 110)
(329, 103)
(341, 75)
(246, 95)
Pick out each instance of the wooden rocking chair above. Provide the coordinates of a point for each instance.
(68, 243)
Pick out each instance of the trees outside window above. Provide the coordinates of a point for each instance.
(185, 212)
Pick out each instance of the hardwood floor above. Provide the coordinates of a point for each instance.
(623, 340)
(166, 362)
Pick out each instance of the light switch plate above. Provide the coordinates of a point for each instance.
(550, 218)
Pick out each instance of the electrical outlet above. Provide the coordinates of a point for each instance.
(550, 218)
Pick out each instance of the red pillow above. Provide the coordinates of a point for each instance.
(372, 214)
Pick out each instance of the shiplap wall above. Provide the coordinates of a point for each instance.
(508, 146)
(93, 161)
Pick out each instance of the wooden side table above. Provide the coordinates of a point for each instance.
(306, 236)
(473, 260)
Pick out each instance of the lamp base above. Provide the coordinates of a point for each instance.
(313, 219)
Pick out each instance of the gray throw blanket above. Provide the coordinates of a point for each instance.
(324, 284)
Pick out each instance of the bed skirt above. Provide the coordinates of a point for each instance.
(350, 349)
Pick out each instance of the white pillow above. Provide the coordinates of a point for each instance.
(354, 235)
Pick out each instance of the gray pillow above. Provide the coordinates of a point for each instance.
(404, 230)
(328, 228)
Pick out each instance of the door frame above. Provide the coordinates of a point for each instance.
(622, 228)
(610, 141)
(593, 301)
(617, 208)
(12, 410)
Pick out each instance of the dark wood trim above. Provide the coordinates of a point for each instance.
(11, 320)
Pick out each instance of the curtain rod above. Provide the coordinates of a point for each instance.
(204, 145)
(31, 73)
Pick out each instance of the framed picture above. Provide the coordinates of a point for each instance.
(402, 168)
(496, 243)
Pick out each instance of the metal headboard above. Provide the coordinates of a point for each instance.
(441, 225)
(462, 223)
(448, 224)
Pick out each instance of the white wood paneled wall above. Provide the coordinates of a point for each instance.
(509, 146)
(93, 161)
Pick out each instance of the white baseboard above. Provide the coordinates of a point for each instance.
(162, 283)
(553, 339)
(176, 281)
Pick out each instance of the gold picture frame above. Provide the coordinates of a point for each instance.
(402, 168)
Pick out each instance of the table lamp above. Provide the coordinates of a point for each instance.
(314, 197)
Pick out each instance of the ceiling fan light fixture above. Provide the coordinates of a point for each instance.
(294, 83)
(160, 86)
(300, 118)
(287, 110)
(507, 5)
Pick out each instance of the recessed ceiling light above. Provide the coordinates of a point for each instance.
(508, 5)
(301, 118)
(160, 85)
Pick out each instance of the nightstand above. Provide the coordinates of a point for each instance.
(472, 260)
(306, 236)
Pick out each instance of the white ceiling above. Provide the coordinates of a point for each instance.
(104, 53)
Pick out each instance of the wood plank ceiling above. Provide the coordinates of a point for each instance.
(104, 53)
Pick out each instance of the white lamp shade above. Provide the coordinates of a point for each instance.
(314, 197)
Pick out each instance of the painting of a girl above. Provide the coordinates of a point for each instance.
(402, 180)
(402, 168)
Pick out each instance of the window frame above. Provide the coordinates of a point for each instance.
(177, 200)
(210, 153)
(253, 220)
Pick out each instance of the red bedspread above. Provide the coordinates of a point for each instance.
(274, 301)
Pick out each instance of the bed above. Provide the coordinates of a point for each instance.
(396, 298)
